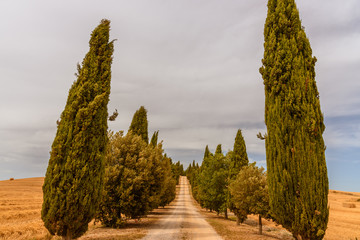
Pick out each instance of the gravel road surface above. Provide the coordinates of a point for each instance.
(182, 220)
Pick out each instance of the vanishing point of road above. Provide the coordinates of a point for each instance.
(182, 220)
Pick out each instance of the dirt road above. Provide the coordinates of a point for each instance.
(182, 220)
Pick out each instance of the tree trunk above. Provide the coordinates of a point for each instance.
(260, 225)
(226, 215)
(298, 237)
(237, 220)
(68, 235)
(66, 238)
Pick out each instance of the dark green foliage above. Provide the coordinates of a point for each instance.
(177, 170)
(168, 188)
(73, 181)
(207, 152)
(218, 149)
(154, 139)
(207, 155)
(295, 151)
(212, 182)
(126, 186)
(238, 158)
(139, 124)
(249, 193)
(137, 179)
(156, 174)
(114, 115)
(192, 173)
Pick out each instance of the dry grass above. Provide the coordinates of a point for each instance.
(344, 222)
(20, 209)
(349, 205)
(20, 216)
(246, 231)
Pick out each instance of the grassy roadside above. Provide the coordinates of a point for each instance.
(248, 230)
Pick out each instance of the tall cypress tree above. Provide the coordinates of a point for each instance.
(139, 124)
(73, 181)
(207, 155)
(295, 151)
(212, 182)
(238, 159)
(239, 156)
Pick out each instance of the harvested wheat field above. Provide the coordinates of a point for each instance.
(21, 199)
(20, 209)
(344, 222)
(20, 215)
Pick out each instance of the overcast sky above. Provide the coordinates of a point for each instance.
(193, 64)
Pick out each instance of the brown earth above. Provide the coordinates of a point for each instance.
(20, 218)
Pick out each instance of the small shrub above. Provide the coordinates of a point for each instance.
(12, 179)
(349, 205)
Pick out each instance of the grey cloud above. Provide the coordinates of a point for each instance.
(192, 64)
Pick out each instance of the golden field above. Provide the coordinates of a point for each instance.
(344, 222)
(20, 215)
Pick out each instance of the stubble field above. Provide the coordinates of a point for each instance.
(20, 215)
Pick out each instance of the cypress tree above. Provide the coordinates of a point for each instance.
(218, 149)
(238, 159)
(212, 183)
(73, 181)
(207, 152)
(249, 194)
(142, 176)
(295, 150)
(139, 124)
(168, 186)
(239, 156)
(154, 139)
(126, 185)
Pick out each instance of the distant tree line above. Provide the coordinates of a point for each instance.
(229, 182)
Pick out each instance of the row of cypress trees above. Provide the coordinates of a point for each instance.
(139, 177)
(295, 150)
(228, 182)
(96, 174)
(210, 182)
